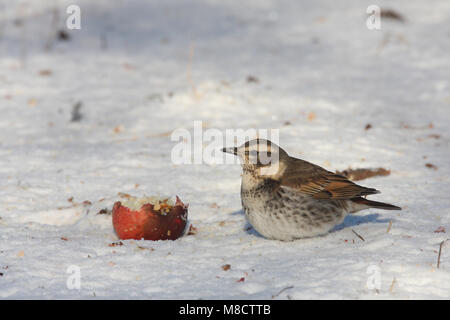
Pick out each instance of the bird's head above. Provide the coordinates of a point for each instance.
(261, 157)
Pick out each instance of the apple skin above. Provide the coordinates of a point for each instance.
(149, 224)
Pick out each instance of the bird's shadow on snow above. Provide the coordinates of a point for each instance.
(248, 227)
(353, 220)
(349, 221)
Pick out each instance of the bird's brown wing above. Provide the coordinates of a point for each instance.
(311, 179)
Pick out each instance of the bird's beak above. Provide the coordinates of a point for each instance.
(230, 150)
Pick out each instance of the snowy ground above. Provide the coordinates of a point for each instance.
(144, 68)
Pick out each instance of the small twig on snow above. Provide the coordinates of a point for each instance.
(53, 29)
(389, 227)
(358, 235)
(440, 250)
(281, 291)
(392, 285)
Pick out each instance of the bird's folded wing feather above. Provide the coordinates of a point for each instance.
(320, 183)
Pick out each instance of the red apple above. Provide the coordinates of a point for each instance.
(149, 219)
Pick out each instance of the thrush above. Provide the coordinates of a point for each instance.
(286, 198)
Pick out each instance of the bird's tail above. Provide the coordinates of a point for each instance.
(375, 204)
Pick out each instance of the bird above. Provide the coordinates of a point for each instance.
(285, 198)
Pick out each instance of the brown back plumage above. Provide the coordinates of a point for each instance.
(320, 183)
(311, 179)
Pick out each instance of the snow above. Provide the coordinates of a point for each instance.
(142, 69)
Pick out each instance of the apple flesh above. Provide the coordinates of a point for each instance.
(149, 219)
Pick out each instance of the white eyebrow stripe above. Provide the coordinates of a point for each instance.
(259, 147)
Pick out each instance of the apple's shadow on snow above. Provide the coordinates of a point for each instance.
(349, 221)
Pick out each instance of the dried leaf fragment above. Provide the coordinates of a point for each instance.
(45, 72)
(124, 195)
(32, 102)
(361, 174)
(104, 211)
(391, 14)
(226, 267)
(213, 205)
(192, 230)
(252, 79)
(63, 35)
(115, 244)
(118, 129)
(440, 229)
